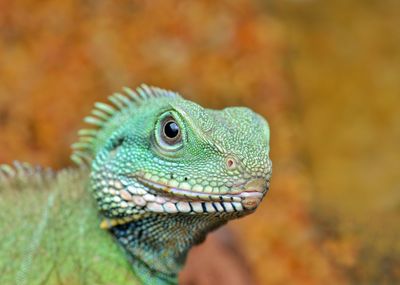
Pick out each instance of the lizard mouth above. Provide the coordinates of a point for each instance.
(247, 198)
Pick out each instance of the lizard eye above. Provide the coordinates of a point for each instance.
(169, 134)
(171, 131)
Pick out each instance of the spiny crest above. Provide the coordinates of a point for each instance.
(103, 113)
(24, 172)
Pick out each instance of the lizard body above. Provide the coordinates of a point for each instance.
(164, 172)
(53, 235)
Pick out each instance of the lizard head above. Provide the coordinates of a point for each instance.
(166, 155)
(166, 171)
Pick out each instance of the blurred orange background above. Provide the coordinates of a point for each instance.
(324, 74)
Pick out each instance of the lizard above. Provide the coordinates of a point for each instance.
(162, 172)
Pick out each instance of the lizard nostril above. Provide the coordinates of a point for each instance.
(231, 163)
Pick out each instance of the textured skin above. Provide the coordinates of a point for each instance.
(160, 197)
(53, 235)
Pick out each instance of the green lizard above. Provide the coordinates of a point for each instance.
(163, 171)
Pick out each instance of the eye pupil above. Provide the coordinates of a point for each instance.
(169, 136)
(171, 130)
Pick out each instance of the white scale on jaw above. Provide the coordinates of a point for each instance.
(210, 203)
(161, 204)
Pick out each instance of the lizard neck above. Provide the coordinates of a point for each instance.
(158, 244)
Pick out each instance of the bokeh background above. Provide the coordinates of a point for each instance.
(326, 75)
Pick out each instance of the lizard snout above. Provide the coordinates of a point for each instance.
(253, 193)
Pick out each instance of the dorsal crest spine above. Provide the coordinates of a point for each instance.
(103, 113)
(23, 171)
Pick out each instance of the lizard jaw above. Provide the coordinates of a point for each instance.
(136, 194)
(250, 195)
